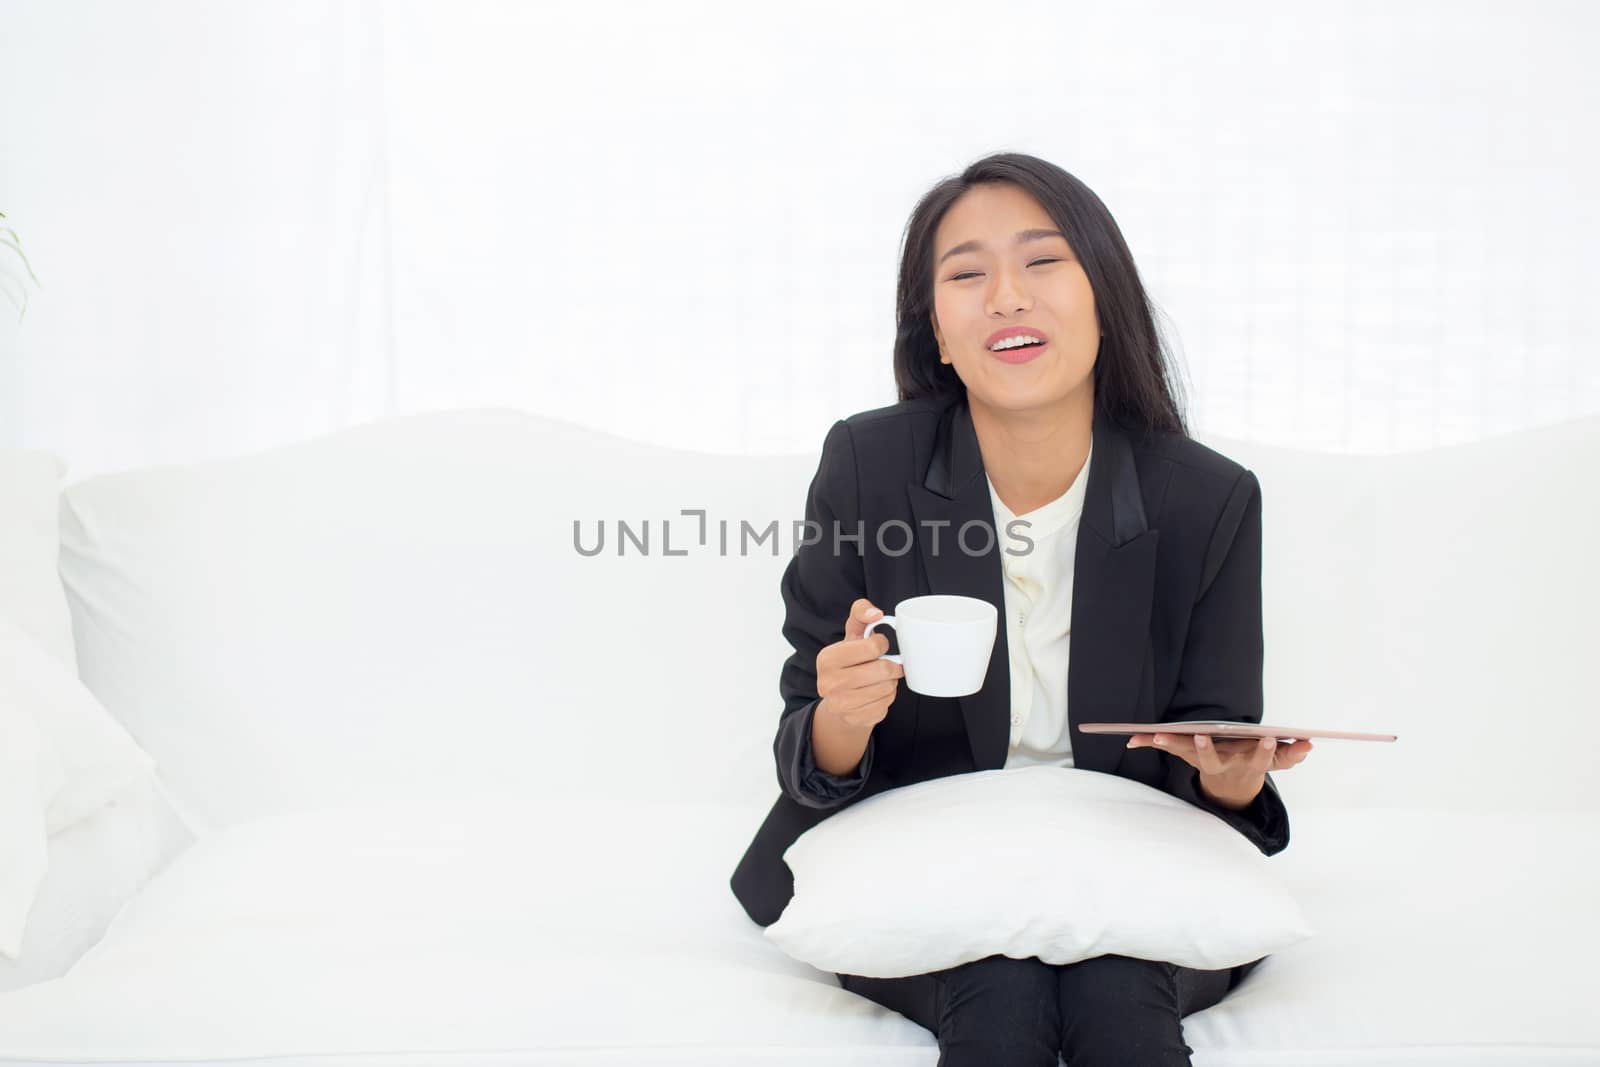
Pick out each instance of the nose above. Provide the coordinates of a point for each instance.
(1007, 295)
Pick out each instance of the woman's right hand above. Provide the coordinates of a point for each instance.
(856, 686)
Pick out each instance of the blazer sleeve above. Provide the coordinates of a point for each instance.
(1221, 673)
(818, 587)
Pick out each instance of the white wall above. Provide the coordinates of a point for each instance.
(1365, 225)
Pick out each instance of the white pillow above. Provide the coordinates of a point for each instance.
(62, 758)
(96, 866)
(96, 756)
(30, 775)
(1060, 863)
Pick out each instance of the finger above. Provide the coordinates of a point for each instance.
(862, 612)
(1209, 761)
(852, 700)
(1266, 752)
(1291, 754)
(854, 650)
(868, 714)
(1178, 745)
(1147, 740)
(871, 672)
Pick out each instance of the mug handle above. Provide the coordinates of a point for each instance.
(887, 620)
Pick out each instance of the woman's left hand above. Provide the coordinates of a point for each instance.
(1231, 771)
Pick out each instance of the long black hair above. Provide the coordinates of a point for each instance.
(1134, 372)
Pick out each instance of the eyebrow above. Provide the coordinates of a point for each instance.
(1023, 236)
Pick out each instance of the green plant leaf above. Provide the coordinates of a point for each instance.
(22, 308)
(13, 244)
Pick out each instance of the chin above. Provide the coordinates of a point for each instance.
(1017, 396)
(1019, 399)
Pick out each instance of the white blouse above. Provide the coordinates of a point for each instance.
(1038, 596)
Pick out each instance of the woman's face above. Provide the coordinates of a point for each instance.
(996, 281)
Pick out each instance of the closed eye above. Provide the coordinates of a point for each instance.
(973, 273)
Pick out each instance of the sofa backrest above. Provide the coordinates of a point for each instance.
(1447, 596)
(400, 608)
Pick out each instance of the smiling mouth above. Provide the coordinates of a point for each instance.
(1020, 353)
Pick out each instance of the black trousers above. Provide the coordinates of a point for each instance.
(1109, 1011)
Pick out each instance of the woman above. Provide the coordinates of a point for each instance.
(1139, 599)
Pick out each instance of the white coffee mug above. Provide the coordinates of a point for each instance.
(945, 642)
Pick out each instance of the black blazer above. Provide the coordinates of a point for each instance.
(1166, 614)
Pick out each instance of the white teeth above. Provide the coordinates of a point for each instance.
(1014, 342)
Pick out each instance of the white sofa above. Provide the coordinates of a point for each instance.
(463, 795)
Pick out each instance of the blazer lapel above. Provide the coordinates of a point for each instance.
(1113, 587)
(1113, 582)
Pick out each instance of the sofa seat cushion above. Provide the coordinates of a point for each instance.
(610, 930)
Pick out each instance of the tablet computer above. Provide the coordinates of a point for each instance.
(1224, 729)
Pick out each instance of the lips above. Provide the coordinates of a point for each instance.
(1013, 331)
(1025, 354)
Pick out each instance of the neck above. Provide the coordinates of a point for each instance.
(1033, 456)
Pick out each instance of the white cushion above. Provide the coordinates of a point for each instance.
(62, 758)
(1446, 596)
(399, 610)
(30, 588)
(92, 756)
(96, 866)
(335, 600)
(30, 776)
(1060, 863)
(353, 933)
(463, 934)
